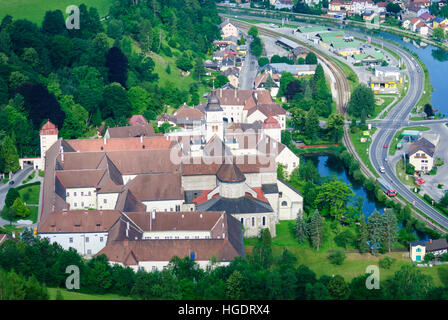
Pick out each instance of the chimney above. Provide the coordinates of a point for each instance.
(153, 214)
(126, 243)
(236, 92)
(61, 150)
(220, 93)
(127, 233)
(105, 140)
(141, 139)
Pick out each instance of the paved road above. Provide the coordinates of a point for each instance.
(248, 71)
(18, 177)
(392, 122)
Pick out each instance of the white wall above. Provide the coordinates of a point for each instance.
(163, 205)
(84, 243)
(289, 159)
(82, 199)
(290, 204)
(107, 201)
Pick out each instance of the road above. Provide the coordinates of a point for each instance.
(249, 70)
(394, 121)
(18, 177)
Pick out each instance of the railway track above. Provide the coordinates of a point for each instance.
(342, 86)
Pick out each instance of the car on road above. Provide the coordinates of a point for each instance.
(385, 146)
(11, 182)
(382, 169)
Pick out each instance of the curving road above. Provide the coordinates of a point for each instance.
(386, 132)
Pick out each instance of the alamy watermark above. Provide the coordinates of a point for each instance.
(373, 280)
(72, 281)
(73, 20)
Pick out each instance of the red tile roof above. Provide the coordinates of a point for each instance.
(137, 120)
(49, 129)
(121, 144)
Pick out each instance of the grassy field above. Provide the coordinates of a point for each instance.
(34, 10)
(363, 147)
(396, 139)
(355, 263)
(71, 295)
(381, 102)
(404, 178)
(30, 194)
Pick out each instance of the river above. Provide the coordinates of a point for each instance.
(328, 165)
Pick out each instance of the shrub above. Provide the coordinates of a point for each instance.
(337, 257)
(386, 262)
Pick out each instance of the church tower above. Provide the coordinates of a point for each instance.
(48, 136)
(214, 117)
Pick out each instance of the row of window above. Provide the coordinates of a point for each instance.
(82, 193)
(70, 240)
(263, 221)
(177, 237)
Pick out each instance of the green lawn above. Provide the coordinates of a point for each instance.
(33, 213)
(355, 263)
(71, 295)
(362, 148)
(404, 178)
(396, 139)
(34, 10)
(381, 102)
(31, 176)
(30, 194)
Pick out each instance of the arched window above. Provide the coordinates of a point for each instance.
(284, 203)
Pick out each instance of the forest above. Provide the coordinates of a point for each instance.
(97, 75)
(28, 266)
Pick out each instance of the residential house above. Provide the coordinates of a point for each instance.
(340, 5)
(418, 249)
(421, 155)
(283, 4)
(260, 82)
(233, 75)
(228, 29)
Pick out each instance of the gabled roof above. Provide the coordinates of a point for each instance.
(138, 130)
(80, 221)
(215, 147)
(422, 145)
(137, 120)
(157, 187)
(177, 221)
(271, 123)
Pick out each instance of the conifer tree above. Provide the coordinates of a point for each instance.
(316, 229)
(390, 229)
(376, 231)
(301, 229)
(363, 235)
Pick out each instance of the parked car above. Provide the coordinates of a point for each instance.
(382, 169)
(11, 182)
